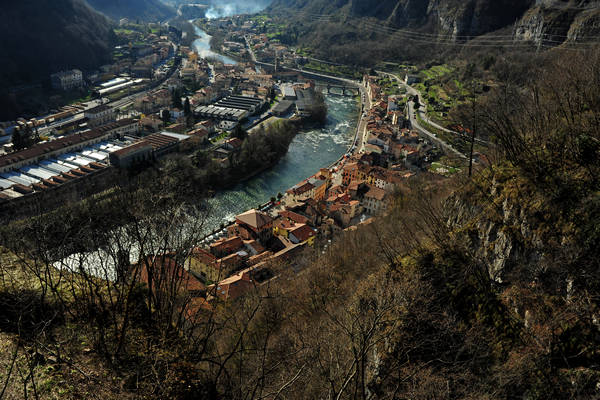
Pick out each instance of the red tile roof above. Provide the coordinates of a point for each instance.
(303, 233)
(166, 273)
(300, 219)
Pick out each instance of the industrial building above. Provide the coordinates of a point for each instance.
(151, 147)
(68, 144)
(250, 104)
(59, 168)
(231, 108)
(221, 113)
(283, 108)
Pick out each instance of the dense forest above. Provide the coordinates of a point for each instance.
(136, 10)
(470, 288)
(41, 37)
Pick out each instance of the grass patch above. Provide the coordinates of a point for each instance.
(442, 169)
(220, 137)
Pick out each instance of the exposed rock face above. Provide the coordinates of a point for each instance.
(551, 23)
(509, 232)
(548, 22)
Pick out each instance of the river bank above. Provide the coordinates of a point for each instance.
(313, 148)
(310, 150)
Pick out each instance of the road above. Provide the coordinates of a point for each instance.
(423, 115)
(361, 130)
(252, 55)
(415, 122)
(325, 77)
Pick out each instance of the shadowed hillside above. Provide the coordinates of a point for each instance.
(40, 37)
(144, 10)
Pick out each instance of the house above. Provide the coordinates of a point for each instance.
(257, 222)
(282, 227)
(67, 80)
(226, 246)
(303, 234)
(177, 128)
(209, 125)
(288, 92)
(166, 275)
(200, 133)
(100, 115)
(232, 287)
(354, 171)
(320, 188)
(294, 217)
(301, 191)
(233, 144)
(347, 212)
(151, 123)
(209, 267)
(374, 201)
(310, 209)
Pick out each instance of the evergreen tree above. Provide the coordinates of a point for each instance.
(176, 98)
(17, 139)
(24, 137)
(187, 108)
(165, 116)
(239, 132)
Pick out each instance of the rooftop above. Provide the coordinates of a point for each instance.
(255, 219)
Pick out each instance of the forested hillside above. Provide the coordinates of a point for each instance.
(40, 37)
(473, 17)
(482, 287)
(143, 10)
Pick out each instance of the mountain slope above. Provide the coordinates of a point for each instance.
(40, 37)
(473, 17)
(145, 10)
(550, 20)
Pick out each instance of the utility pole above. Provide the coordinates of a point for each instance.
(473, 129)
(471, 152)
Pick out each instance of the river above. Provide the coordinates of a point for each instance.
(202, 47)
(311, 150)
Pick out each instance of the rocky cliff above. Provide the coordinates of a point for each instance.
(545, 21)
(517, 232)
(550, 23)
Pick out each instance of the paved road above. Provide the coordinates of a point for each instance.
(412, 91)
(252, 55)
(415, 122)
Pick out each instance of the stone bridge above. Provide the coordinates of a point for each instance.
(340, 90)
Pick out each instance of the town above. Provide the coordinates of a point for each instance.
(161, 97)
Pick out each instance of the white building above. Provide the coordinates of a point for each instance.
(67, 80)
(100, 115)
